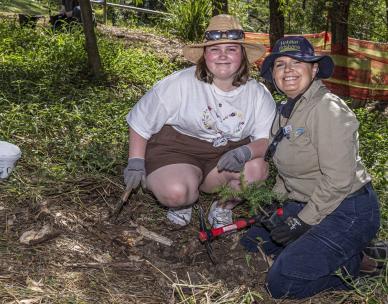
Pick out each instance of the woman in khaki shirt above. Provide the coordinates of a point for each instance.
(331, 211)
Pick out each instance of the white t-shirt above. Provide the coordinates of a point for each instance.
(198, 109)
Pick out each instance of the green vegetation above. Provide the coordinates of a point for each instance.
(69, 127)
(28, 7)
(65, 124)
(367, 18)
(258, 195)
(373, 149)
(188, 19)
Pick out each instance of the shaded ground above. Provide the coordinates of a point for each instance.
(169, 47)
(88, 259)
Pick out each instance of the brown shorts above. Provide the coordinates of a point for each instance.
(171, 147)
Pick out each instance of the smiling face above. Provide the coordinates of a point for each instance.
(223, 61)
(292, 76)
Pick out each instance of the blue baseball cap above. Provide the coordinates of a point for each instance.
(299, 48)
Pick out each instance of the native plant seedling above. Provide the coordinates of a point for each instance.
(258, 195)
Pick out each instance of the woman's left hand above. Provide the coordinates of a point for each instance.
(289, 231)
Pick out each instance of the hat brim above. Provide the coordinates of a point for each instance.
(325, 64)
(194, 52)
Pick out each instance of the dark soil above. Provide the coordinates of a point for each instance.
(98, 260)
(89, 259)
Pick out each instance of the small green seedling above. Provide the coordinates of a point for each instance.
(257, 195)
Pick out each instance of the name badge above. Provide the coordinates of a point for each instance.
(287, 131)
(299, 132)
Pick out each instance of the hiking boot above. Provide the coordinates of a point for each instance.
(377, 250)
(219, 217)
(374, 260)
(179, 216)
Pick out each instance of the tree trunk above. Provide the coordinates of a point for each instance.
(386, 11)
(220, 7)
(319, 16)
(91, 40)
(276, 22)
(339, 16)
(276, 29)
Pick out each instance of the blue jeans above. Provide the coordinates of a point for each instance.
(308, 265)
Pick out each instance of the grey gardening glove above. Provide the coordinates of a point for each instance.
(134, 173)
(234, 160)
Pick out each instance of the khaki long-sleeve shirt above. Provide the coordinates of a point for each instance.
(318, 162)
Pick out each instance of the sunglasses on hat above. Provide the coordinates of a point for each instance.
(229, 34)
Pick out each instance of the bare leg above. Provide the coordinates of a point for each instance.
(254, 170)
(175, 185)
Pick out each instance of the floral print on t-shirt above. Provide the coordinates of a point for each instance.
(223, 120)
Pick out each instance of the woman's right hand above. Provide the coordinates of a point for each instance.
(134, 173)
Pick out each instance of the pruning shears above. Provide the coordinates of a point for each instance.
(206, 235)
(204, 229)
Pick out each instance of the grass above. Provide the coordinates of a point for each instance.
(65, 123)
(28, 7)
(69, 126)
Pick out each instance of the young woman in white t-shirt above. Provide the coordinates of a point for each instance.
(199, 128)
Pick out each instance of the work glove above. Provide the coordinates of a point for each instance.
(234, 160)
(276, 219)
(290, 230)
(134, 173)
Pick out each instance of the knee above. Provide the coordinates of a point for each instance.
(177, 195)
(280, 284)
(276, 282)
(256, 170)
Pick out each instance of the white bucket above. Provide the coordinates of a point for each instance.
(9, 154)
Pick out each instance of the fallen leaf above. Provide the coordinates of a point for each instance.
(33, 285)
(31, 237)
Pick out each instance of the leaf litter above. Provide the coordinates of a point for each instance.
(81, 257)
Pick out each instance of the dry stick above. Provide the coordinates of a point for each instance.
(265, 257)
(101, 265)
(167, 277)
(113, 183)
(153, 236)
(263, 211)
(11, 294)
(103, 198)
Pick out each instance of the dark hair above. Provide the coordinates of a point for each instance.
(242, 74)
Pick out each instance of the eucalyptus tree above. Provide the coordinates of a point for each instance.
(339, 16)
(276, 21)
(91, 40)
(368, 20)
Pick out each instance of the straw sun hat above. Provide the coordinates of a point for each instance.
(223, 23)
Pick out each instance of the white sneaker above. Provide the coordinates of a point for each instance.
(180, 216)
(219, 217)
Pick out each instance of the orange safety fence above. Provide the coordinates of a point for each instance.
(362, 74)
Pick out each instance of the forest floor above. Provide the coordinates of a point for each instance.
(84, 257)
